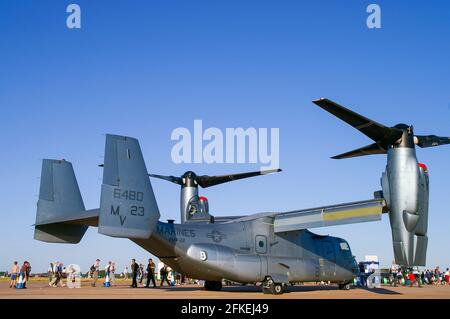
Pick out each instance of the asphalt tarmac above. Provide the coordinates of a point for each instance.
(39, 289)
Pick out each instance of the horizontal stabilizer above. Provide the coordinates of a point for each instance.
(357, 212)
(87, 218)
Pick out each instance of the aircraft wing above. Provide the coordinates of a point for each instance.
(349, 213)
(356, 212)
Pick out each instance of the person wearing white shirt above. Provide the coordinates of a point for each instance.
(112, 272)
(51, 273)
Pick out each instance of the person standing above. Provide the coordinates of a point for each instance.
(447, 277)
(417, 278)
(134, 272)
(141, 274)
(28, 271)
(362, 274)
(112, 278)
(429, 276)
(50, 272)
(372, 268)
(94, 272)
(150, 273)
(125, 273)
(54, 280)
(25, 272)
(170, 276)
(437, 275)
(400, 276)
(411, 279)
(108, 270)
(393, 274)
(59, 274)
(164, 272)
(14, 274)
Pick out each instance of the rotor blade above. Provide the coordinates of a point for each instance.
(208, 181)
(173, 179)
(377, 132)
(363, 151)
(431, 140)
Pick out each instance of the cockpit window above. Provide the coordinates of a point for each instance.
(344, 246)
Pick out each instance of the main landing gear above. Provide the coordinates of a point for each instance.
(272, 288)
(213, 285)
(344, 286)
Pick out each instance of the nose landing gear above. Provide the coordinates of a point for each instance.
(272, 288)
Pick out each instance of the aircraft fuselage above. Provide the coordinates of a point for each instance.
(248, 251)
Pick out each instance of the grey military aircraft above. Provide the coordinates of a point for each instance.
(276, 248)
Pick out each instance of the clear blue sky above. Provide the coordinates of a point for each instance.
(143, 68)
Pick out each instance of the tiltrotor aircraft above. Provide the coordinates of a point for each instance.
(275, 249)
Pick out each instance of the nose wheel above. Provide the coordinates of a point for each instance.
(271, 288)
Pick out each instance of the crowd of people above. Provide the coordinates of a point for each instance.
(139, 272)
(436, 277)
(146, 276)
(401, 276)
(412, 276)
(140, 275)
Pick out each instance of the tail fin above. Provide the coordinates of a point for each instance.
(128, 206)
(59, 200)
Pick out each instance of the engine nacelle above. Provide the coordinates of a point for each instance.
(405, 189)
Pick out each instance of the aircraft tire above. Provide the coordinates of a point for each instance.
(344, 287)
(278, 289)
(213, 285)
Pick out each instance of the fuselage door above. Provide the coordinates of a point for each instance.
(261, 244)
